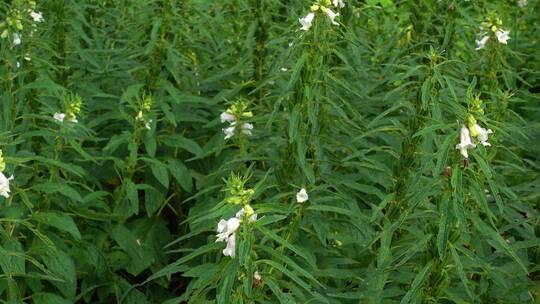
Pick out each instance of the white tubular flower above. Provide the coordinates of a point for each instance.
(147, 125)
(240, 215)
(59, 116)
(37, 16)
(302, 196)
(229, 131)
(480, 44)
(339, 3)
(4, 185)
(246, 128)
(482, 135)
(16, 39)
(465, 142)
(227, 228)
(502, 36)
(221, 229)
(307, 21)
(331, 15)
(227, 117)
(230, 250)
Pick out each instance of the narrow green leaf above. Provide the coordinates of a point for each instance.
(416, 284)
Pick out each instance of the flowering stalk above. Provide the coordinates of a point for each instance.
(318, 32)
(227, 230)
(238, 129)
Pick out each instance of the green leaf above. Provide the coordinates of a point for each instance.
(154, 35)
(296, 71)
(416, 284)
(160, 172)
(76, 170)
(153, 199)
(62, 188)
(490, 233)
(48, 298)
(277, 291)
(179, 141)
(140, 256)
(12, 257)
(181, 173)
(62, 265)
(461, 273)
(229, 276)
(132, 195)
(58, 220)
(285, 243)
(178, 265)
(444, 225)
(294, 118)
(426, 93)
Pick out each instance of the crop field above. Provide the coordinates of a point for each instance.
(270, 151)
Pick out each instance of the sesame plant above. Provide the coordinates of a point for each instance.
(277, 151)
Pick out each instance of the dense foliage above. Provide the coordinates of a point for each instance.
(371, 151)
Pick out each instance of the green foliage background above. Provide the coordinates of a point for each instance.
(364, 115)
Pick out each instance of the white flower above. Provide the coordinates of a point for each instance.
(307, 21)
(4, 185)
(482, 42)
(522, 3)
(284, 69)
(502, 36)
(331, 15)
(465, 142)
(240, 214)
(339, 3)
(226, 232)
(231, 246)
(482, 135)
(229, 131)
(37, 16)
(246, 128)
(227, 117)
(302, 196)
(147, 125)
(59, 116)
(226, 228)
(16, 39)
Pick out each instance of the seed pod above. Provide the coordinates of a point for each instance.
(448, 171)
(256, 279)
